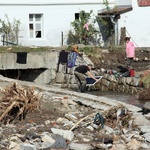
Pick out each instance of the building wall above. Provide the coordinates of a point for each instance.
(57, 16)
(137, 24)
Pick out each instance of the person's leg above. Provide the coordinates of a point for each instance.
(81, 80)
(129, 61)
(78, 82)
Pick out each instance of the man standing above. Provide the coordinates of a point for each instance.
(81, 73)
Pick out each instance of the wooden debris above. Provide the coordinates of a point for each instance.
(81, 121)
(111, 117)
(16, 102)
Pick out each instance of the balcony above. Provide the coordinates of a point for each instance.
(120, 7)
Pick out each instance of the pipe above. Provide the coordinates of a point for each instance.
(62, 37)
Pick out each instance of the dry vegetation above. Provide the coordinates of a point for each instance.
(16, 101)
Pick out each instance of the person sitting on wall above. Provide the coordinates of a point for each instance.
(81, 73)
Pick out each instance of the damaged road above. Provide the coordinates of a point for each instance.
(65, 119)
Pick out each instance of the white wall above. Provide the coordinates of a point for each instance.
(124, 2)
(57, 15)
(137, 24)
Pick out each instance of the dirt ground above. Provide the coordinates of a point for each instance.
(113, 59)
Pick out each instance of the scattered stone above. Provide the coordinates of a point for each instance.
(77, 146)
(64, 133)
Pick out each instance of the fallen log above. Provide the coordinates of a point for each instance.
(7, 110)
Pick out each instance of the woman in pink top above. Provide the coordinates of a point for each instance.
(130, 50)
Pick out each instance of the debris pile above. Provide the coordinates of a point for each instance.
(118, 114)
(16, 101)
(69, 124)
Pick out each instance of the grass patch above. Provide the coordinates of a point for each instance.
(6, 49)
(146, 80)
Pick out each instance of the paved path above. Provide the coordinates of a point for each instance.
(98, 102)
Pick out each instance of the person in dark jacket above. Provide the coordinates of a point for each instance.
(81, 73)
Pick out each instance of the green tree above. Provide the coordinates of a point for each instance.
(10, 30)
(84, 29)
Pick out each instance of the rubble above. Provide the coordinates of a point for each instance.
(79, 127)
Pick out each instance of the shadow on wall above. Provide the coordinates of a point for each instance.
(22, 74)
(107, 31)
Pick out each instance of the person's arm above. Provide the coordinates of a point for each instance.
(91, 76)
(127, 50)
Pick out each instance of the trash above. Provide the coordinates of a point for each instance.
(131, 72)
(99, 120)
(121, 112)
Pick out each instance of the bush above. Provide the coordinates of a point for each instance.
(145, 79)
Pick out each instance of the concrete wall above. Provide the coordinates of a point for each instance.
(34, 61)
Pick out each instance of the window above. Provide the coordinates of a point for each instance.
(76, 15)
(35, 25)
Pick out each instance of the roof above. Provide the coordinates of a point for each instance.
(115, 10)
(143, 3)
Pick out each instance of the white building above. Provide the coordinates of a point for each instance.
(137, 23)
(47, 22)
(43, 21)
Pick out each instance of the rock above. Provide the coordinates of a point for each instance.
(129, 80)
(136, 82)
(77, 146)
(118, 146)
(60, 77)
(87, 138)
(147, 116)
(67, 134)
(71, 117)
(44, 146)
(147, 137)
(108, 129)
(90, 128)
(27, 146)
(134, 144)
(145, 129)
(112, 78)
(105, 82)
(14, 146)
(47, 138)
(102, 145)
(61, 120)
(47, 122)
(139, 119)
(145, 146)
(147, 106)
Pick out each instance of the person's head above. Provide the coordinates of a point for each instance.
(127, 39)
(90, 66)
(75, 48)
